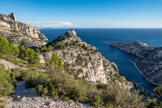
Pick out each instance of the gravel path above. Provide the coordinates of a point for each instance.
(26, 98)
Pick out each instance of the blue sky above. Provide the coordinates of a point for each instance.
(86, 13)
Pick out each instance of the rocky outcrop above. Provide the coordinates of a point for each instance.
(20, 33)
(7, 65)
(41, 59)
(150, 65)
(82, 60)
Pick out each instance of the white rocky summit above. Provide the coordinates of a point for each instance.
(13, 16)
(20, 33)
(85, 61)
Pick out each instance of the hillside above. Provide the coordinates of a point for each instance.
(66, 72)
(83, 61)
(19, 33)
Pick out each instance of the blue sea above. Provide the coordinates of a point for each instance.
(100, 39)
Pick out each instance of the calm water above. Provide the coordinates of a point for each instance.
(100, 39)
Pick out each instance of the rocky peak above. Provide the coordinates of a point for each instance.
(20, 33)
(84, 61)
(71, 33)
(70, 36)
(13, 16)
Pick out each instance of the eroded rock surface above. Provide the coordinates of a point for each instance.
(84, 61)
(7, 65)
(20, 33)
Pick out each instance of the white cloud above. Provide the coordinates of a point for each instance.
(50, 24)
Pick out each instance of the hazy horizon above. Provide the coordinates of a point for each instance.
(86, 13)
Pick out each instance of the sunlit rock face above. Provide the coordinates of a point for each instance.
(84, 61)
(11, 28)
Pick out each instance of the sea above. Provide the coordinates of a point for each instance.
(100, 38)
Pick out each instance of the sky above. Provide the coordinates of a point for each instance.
(86, 13)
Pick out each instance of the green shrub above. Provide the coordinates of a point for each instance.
(158, 90)
(120, 97)
(39, 88)
(65, 98)
(55, 64)
(2, 103)
(75, 93)
(6, 48)
(28, 54)
(7, 82)
(45, 91)
(97, 102)
(152, 103)
(46, 48)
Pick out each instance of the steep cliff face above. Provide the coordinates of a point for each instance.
(20, 33)
(150, 66)
(84, 61)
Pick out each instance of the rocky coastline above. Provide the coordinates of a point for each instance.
(149, 65)
(142, 72)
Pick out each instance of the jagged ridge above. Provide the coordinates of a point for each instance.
(20, 33)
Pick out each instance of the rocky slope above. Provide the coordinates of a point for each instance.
(20, 33)
(84, 61)
(150, 65)
(26, 98)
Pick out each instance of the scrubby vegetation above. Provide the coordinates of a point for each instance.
(6, 48)
(28, 54)
(7, 81)
(56, 82)
(158, 90)
(61, 85)
(56, 45)
(152, 103)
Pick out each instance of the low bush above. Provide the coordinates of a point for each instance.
(152, 103)
(158, 90)
(7, 49)
(7, 82)
(28, 54)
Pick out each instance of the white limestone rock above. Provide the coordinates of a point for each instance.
(12, 29)
(85, 61)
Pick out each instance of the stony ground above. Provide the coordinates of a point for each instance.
(26, 98)
(7, 65)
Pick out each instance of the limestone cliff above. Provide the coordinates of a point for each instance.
(20, 33)
(150, 65)
(84, 61)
